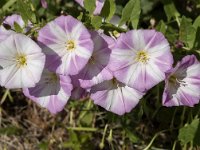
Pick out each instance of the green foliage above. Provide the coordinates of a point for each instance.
(131, 13)
(77, 141)
(84, 123)
(186, 32)
(25, 11)
(90, 5)
(196, 23)
(161, 27)
(108, 9)
(43, 145)
(96, 21)
(10, 130)
(17, 27)
(170, 9)
(190, 133)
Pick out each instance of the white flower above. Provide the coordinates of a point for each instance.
(21, 62)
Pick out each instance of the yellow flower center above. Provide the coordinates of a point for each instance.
(21, 60)
(142, 56)
(70, 45)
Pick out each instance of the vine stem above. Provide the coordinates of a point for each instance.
(4, 96)
(101, 145)
(82, 129)
(155, 136)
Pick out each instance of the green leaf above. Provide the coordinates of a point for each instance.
(135, 15)
(196, 23)
(26, 12)
(96, 22)
(132, 136)
(170, 9)
(187, 32)
(197, 41)
(18, 28)
(8, 4)
(131, 12)
(90, 5)
(43, 145)
(87, 119)
(190, 133)
(73, 142)
(108, 9)
(171, 34)
(161, 27)
(11, 130)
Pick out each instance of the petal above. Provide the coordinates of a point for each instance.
(51, 95)
(115, 98)
(10, 20)
(54, 37)
(4, 34)
(13, 75)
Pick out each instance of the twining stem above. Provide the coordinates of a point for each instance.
(101, 145)
(87, 108)
(178, 22)
(173, 117)
(183, 116)
(174, 145)
(4, 96)
(155, 136)
(83, 129)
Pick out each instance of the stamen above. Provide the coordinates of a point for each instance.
(181, 82)
(142, 56)
(174, 80)
(21, 60)
(70, 45)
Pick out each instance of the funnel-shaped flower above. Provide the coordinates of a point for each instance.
(99, 5)
(11, 20)
(51, 92)
(21, 61)
(70, 40)
(115, 96)
(182, 85)
(141, 58)
(96, 70)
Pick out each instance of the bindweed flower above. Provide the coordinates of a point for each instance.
(4, 34)
(11, 20)
(141, 58)
(70, 41)
(182, 84)
(115, 96)
(21, 61)
(51, 92)
(44, 3)
(78, 92)
(96, 70)
(99, 5)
